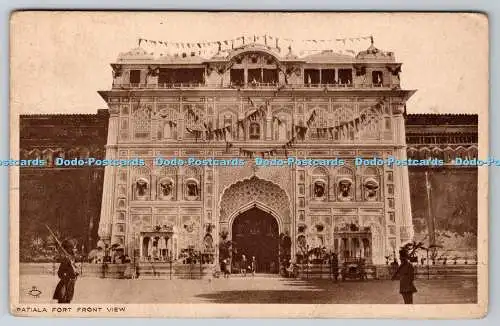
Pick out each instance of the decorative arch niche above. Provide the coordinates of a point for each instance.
(319, 183)
(371, 184)
(344, 182)
(254, 191)
(141, 183)
(166, 188)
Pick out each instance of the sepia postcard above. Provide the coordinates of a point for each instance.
(249, 165)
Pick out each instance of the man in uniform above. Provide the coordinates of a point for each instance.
(406, 274)
(67, 273)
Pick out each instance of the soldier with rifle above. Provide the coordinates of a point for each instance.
(68, 272)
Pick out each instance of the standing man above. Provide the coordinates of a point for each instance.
(253, 265)
(244, 265)
(335, 266)
(406, 274)
(67, 273)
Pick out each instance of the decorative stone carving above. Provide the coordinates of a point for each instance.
(142, 120)
(208, 243)
(345, 221)
(371, 187)
(277, 175)
(192, 188)
(319, 189)
(398, 108)
(255, 190)
(345, 189)
(377, 243)
(141, 189)
(168, 122)
(166, 189)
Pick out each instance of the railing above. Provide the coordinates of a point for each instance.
(247, 86)
(182, 85)
(375, 85)
(336, 85)
(159, 85)
(258, 85)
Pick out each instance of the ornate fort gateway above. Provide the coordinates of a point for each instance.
(255, 101)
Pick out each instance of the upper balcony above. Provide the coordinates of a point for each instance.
(259, 86)
(257, 67)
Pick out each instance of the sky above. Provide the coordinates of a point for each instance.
(60, 60)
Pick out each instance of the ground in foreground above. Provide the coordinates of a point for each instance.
(249, 290)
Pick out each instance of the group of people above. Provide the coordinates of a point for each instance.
(245, 265)
(68, 273)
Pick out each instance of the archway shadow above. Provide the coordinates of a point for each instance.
(325, 291)
(313, 291)
(267, 296)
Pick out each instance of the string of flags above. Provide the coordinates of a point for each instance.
(220, 45)
(242, 39)
(221, 133)
(284, 147)
(298, 132)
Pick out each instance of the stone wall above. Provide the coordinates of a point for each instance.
(454, 210)
(68, 199)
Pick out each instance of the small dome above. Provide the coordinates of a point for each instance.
(373, 53)
(290, 56)
(252, 47)
(135, 54)
(328, 56)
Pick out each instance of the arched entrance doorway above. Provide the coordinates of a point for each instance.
(255, 233)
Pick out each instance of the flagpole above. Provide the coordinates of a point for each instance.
(432, 239)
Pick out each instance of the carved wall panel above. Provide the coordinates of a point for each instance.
(228, 176)
(278, 175)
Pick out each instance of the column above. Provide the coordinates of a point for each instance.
(141, 240)
(150, 246)
(175, 249)
(349, 246)
(403, 207)
(294, 216)
(108, 193)
(269, 128)
(153, 185)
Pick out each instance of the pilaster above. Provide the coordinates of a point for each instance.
(107, 207)
(404, 220)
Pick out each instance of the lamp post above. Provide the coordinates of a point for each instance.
(428, 267)
(307, 261)
(170, 262)
(201, 263)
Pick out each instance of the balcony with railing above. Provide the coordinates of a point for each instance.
(249, 86)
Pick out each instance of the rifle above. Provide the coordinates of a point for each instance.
(61, 248)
